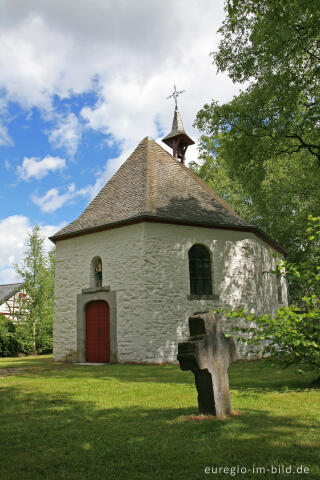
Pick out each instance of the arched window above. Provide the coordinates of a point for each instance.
(200, 270)
(96, 272)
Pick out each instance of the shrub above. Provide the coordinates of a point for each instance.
(292, 335)
(9, 343)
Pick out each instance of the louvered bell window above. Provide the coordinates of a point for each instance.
(200, 271)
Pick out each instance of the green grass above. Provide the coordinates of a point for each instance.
(133, 422)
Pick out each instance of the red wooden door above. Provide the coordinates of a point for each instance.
(98, 332)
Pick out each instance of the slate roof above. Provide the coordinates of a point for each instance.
(8, 290)
(152, 185)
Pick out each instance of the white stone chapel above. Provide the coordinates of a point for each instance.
(155, 246)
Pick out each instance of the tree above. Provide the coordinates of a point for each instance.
(292, 336)
(261, 151)
(37, 273)
(45, 325)
(279, 203)
(275, 46)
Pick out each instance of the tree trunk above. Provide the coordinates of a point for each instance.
(34, 347)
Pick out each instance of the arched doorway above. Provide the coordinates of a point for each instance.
(98, 332)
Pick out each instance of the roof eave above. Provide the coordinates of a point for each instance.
(149, 218)
(167, 140)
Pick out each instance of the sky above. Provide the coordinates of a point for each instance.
(81, 84)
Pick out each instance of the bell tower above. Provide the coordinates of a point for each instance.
(177, 139)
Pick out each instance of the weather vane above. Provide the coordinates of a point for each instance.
(175, 95)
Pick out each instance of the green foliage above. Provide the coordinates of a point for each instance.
(215, 172)
(9, 343)
(261, 151)
(24, 336)
(278, 198)
(304, 277)
(44, 328)
(37, 272)
(275, 46)
(292, 336)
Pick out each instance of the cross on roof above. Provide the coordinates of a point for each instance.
(175, 95)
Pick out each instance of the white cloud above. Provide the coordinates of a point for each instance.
(33, 55)
(66, 134)
(37, 168)
(52, 200)
(129, 52)
(14, 230)
(5, 139)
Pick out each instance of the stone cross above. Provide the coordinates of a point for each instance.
(208, 353)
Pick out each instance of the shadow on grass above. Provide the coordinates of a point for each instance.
(54, 436)
(244, 376)
(254, 376)
(26, 361)
(259, 376)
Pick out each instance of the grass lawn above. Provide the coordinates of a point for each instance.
(134, 422)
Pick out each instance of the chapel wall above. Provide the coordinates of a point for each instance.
(147, 266)
(121, 252)
(238, 260)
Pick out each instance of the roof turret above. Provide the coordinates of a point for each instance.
(177, 139)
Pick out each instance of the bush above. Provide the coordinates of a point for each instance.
(45, 336)
(24, 336)
(16, 338)
(292, 335)
(9, 343)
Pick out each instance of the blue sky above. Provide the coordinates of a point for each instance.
(35, 164)
(81, 84)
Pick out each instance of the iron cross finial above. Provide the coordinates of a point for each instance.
(175, 95)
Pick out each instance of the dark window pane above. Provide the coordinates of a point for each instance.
(200, 271)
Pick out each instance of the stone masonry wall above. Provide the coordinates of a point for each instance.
(121, 252)
(238, 260)
(147, 265)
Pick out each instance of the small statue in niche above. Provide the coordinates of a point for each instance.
(98, 274)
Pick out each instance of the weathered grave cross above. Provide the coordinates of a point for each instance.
(208, 353)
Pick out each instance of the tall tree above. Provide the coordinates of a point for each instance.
(279, 203)
(275, 46)
(37, 272)
(45, 326)
(263, 147)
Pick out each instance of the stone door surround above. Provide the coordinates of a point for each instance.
(86, 296)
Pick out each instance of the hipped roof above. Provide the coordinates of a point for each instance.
(152, 186)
